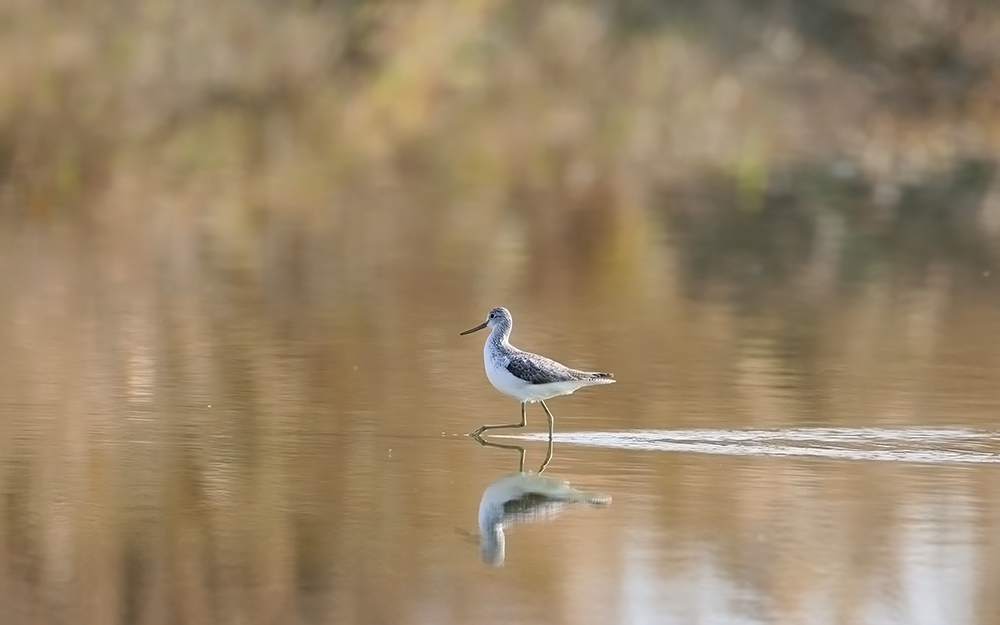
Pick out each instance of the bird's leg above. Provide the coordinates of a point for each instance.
(524, 422)
(548, 454)
(551, 419)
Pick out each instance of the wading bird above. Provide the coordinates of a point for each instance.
(525, 376)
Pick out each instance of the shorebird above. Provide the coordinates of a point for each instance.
(525, 376)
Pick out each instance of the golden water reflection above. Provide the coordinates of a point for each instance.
(524, 497)
(179, 451)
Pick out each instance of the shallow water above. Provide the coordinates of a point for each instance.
(181, 449)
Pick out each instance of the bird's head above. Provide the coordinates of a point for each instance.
(499, 316)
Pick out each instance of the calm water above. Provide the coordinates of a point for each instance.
(182, 445)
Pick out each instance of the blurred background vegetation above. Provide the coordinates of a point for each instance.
(312, 144)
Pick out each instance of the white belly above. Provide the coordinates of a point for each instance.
(509, 384)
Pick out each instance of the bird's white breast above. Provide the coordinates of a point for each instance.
(502, 379)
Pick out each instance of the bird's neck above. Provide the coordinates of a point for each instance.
(500, 335)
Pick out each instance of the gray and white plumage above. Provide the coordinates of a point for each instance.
(541, 370)
(524, 375)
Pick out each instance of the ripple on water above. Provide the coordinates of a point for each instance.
(923, 445)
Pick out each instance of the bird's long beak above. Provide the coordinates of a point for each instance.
(475, 329)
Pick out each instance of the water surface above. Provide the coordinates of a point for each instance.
(179, 446)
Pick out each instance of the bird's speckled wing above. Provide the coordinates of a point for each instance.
(535, 369)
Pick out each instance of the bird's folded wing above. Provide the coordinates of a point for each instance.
(538, 370)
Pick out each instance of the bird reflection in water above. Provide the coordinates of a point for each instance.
(524, 497)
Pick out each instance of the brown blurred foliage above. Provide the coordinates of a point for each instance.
(313, 136)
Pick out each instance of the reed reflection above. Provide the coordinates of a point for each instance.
(524, 497)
